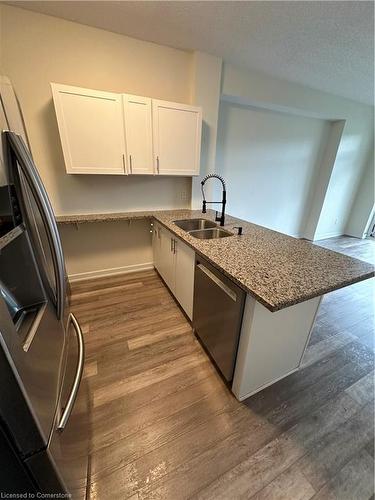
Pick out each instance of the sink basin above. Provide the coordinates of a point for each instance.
(210, 234)
(194, 224)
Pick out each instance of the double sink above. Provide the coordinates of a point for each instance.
(202, 229)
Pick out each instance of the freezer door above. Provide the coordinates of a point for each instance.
(14, 478)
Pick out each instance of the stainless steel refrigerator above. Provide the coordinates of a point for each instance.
(44, 403)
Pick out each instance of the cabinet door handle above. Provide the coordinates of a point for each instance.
(157, 164)
(174, 246)
(123, 163)
(131, 164)
(171, 244)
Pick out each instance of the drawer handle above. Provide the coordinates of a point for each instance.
(218, 282)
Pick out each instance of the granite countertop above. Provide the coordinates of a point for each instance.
(115, 216)
(276, 269)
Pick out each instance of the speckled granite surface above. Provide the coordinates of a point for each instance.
(83, 218)
(276, 269)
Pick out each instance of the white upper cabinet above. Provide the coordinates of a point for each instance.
(91, 127)
(177, 138)
(109, 133)
(138, 127)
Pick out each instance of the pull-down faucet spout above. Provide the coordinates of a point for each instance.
(220, 218)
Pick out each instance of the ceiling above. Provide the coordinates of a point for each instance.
(327, 45)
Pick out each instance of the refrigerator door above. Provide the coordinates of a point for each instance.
(37, 355)
(68, 450)
(15, 411)
(69, 445)
(40, 222)
(36, 351)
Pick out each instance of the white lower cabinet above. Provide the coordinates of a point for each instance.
(175, 263)
(156, 245)
(184, 277)
(167, 258)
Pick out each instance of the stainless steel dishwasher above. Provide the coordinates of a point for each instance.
(217, 315)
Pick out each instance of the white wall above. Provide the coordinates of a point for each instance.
(108, 247)
(205, 92)
(324, 174)
(363, 206)
(346, 176)
(250, 88)
(270, 162)
(37, 49)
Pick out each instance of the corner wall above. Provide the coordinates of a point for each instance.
(270, 161)
(205, 92)
(37, 49)
(363, 207)
(334, 200)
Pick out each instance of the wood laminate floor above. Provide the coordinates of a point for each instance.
(164, 426)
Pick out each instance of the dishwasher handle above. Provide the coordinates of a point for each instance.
(218, 282)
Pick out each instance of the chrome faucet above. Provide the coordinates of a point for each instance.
(220, 218)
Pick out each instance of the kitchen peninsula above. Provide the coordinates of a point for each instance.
(284, 279)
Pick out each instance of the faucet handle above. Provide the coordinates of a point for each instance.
(217, 217)
(239, 229)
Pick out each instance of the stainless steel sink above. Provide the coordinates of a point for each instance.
(194, 224)
(210, 234)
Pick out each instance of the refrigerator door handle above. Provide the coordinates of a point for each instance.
(38, 190)
(77, 379)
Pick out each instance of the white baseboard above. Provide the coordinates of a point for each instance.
(102, 273)
(325, 236)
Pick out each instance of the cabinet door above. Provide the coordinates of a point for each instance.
(91, 130)
(177, 138)
(156, 238)
(167, 258)
(184, 286)
(138, 128)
